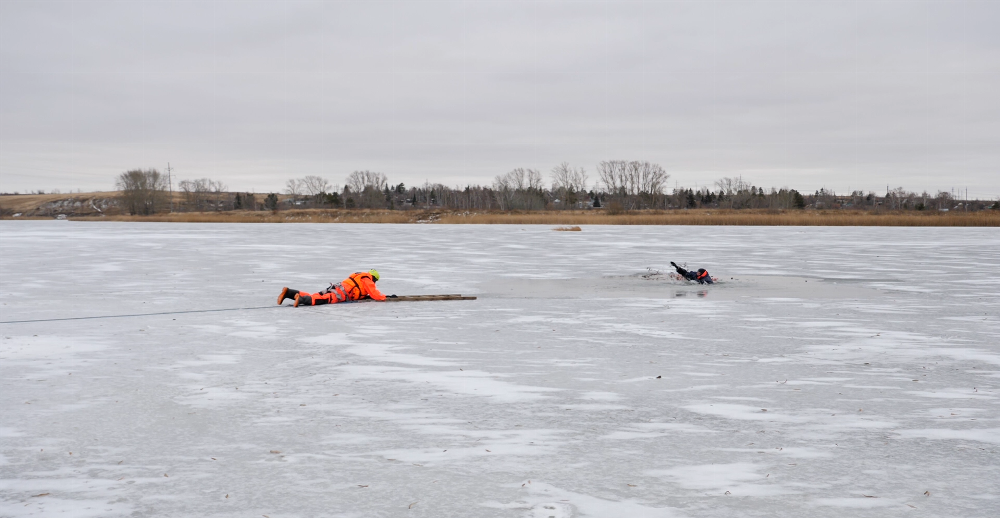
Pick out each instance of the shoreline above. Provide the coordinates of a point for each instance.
(746, 217)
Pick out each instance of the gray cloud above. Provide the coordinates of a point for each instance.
(804, 94)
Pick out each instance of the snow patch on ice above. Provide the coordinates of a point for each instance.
(544, 500)
(470, 382)
(987, 435)
(386, 353)
(738, 478)
(861, 502)
(744, 412)
(950, 393)
(6, 431)
(654, 430)
(795, 453)
(21, 347)
(601, 396)
(211, 359)
(494, 444)
(331, 339)
(816, 419)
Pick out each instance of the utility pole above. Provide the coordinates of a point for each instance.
(170, 183)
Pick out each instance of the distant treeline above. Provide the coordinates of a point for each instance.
(621, 186)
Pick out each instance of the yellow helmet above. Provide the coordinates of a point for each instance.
(374, 274)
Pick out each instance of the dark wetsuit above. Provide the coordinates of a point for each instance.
(703, 278)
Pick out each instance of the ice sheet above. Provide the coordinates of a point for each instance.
(831, 372)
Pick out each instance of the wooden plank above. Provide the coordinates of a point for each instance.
(417, 298)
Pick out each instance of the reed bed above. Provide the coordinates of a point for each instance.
(571, 220)
(741, 217)
(291, 216)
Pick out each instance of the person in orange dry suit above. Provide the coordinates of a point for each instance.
(358, 286)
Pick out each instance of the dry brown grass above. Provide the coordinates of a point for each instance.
(567, 229)
(284, 216)
(740, 217)
(24, 203)
(569, 220)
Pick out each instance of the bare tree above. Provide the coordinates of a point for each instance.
(203, 191)
(219, 191)
(733, 192)
(143, 191)
(313, 185)
(521, 179)
(533, 180)
(648, 179)
(899, 198)
(293, 188)
(192, 192)
(566, 178)
(634, 182)
(943, 200)
(358, 181)
(505, 191)
(519, 189)
(368, 189)
(567, 183)
(612, 174)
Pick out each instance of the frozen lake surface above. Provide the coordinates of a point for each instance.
(833, 372)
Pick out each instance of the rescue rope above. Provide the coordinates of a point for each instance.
(402, 298)
(135, 315)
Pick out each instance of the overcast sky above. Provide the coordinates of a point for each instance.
(806, 94)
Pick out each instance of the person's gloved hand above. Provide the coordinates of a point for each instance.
(673, 264)
(392, 297)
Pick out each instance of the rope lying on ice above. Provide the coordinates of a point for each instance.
(403, 298)
(135, 315)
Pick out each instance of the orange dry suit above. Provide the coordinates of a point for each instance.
(358, 286)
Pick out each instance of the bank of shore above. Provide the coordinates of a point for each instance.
(988, 218)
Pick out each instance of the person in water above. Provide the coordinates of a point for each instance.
(701, 276)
